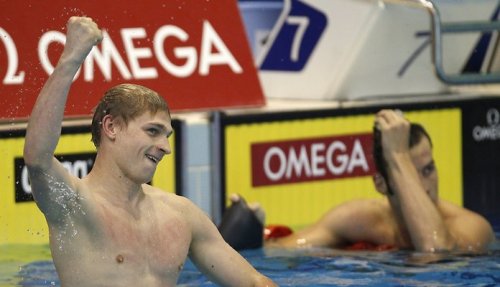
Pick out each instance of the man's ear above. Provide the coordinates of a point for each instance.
(110, 127)
(380, 184)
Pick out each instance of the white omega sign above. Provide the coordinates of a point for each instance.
(212, 52)
(315, 160)
(490, 132)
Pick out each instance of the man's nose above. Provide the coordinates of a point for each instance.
(164, 146)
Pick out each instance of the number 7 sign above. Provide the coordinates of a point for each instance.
(300, 29)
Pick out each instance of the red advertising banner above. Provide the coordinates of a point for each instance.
(194, 53)
(311, 159)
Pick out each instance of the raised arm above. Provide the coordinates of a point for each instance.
(216, 259)
(420, 214)
(44, 126)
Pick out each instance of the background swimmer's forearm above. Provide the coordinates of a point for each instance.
(423, 220)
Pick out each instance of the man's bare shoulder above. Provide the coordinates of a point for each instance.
(366, 207)
(471, 230)
(455, 213)
(451, 210)
(165, 196)
(170, 200)
(366, 212)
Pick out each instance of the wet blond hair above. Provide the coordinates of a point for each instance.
(125, 101)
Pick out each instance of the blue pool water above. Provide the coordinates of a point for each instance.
(336, 268)
(19, 266)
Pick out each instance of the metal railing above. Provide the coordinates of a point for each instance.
(438, 29)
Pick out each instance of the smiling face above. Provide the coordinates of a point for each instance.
(125, 102)
(142, 143)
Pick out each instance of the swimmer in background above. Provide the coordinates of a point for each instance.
(411, 216)
(110, 228)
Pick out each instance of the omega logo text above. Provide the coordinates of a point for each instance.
(490, 132)
(311, 159)
(212, 52)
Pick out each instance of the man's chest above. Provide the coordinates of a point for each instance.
(149, 237)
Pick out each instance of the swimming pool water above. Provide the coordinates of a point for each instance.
(31, 266)
(322, 267)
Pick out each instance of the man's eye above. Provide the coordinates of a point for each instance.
(428, 170)
(152, 132)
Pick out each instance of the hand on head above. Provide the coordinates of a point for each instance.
(395, 130)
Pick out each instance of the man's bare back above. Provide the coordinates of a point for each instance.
(371, 224)
(366, 220)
